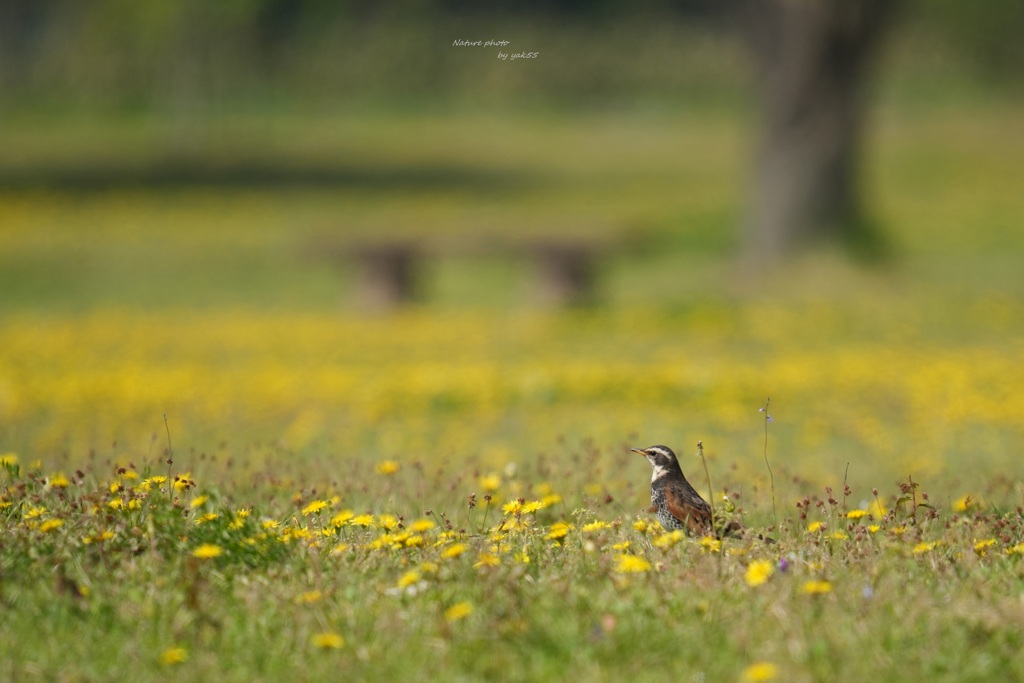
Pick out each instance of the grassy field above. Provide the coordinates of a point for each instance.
(326, 509)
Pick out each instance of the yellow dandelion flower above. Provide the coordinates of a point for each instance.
(329, 640)
(339, 549)
(838, 535)
(453, 550)
(550, 499)
(309, 597)
(1016, 550)
(898, 530)
(669, 539)
(594, 526)
(626, 564)
(8, 460)
(270, 524)
(816, 588)
(512, 508)
(758, 572)
(208, 517)
(760, 672)
(856, 514)
(877, 509)
(116, 504)
(873, 528)
(981, 547)
(35, 512)
(620, 546)
(558, 531)
(342, 517)
(523, 557)
(242, 513)
(314, 507)
(490, 483)
(183, 482)
(533, 506)
(174, 655)
(814, 527)
(965, 503)
(207, 551)
(50, 525)
(387, 522)
(710, 544)
(923, 547)
(421, 525)
(486, 560)
(361, 520)
(387, 467)
(459, 610)
(58, 481)
(409, 578)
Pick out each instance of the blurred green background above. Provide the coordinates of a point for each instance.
(167, 156)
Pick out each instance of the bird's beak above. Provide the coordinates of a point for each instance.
(639, 450)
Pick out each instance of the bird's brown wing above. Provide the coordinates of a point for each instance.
(689, 508)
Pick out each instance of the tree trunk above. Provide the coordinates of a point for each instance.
(812, 57)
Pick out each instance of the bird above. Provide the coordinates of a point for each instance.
(677, 504)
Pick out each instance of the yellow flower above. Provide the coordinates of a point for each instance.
(923, 547)
(523, 557)
(207, 551)
(533, 506)
(174, 655)
(620, 546)
(558, 531)
(594, 526)
(328, 640)
(486, 560)
(640, 525)
(873, 528)
(856, 514)
(898, 530)
(35, 512)
(550, 499)
(387, 522)
(838, 535)
(626, 564)
(387, 467)
(208, 517)
(59, 481)
(877, 509)
(361, 520)
(814, 527)
(409, 578)
(314, 507)
(459, 610)
(1016, 550)
(965, 503)
(270, 524)
(816, 588)
(512, 507)
(669, 539)
(309, 597)
(760, 672)
(339, 519)
(981, 547)
(50, 525)
(421, 525)
(453, 550)
(758, 572)
(8, 459)
(490, 483)
(709, 544)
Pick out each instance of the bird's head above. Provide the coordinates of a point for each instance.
(662, 460)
